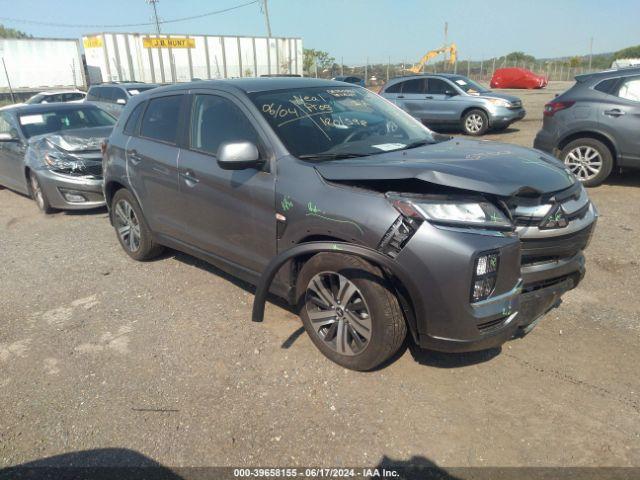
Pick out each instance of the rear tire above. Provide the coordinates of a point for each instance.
(38, 194)
(357, 320)
(475, 122)
(589, 160)
(131, 228)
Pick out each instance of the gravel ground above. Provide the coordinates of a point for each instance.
(161, 358)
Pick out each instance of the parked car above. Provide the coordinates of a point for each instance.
(56, 96)
(594, 126)
(486, 236)
(453, 100)
(349, 79)
(112, 97)
(513, 77)
(52, 153)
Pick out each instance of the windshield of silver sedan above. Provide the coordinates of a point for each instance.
(56, 120)
(339, 122)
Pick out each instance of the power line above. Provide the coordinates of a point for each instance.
(123, 25)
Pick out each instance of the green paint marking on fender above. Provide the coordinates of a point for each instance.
(286, 203)
(314, 211)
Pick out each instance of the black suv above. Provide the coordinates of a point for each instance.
(595, 125)
(374, 225)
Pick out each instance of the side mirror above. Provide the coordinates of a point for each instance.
(121, 101)
(238, 156)
(450, 93)
(9, 137)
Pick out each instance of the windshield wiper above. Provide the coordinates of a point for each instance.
(419, 143)
(331, 156)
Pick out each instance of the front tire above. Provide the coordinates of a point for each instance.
(38, 195)
(349, 311)
(131, 228)
(589, 160)
(475, 122)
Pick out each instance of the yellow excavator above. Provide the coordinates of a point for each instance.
(452, 50)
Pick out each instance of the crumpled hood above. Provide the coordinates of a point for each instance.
(77, 140)
(477, 165)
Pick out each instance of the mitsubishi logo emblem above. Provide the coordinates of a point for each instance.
(555, 219)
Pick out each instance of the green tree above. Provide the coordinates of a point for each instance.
(630, 52)
(520, 57)
(322, 59)
(575, 61)
(12, 33)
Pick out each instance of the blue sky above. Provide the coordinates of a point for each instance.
(356, 29)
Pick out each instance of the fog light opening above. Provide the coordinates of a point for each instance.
(485, 274)
(73, 196)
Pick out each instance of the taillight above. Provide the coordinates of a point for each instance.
(551, 108)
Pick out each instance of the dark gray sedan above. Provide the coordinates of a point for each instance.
(52, 153)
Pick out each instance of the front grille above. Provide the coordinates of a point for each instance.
(94, 170)
(553, 248)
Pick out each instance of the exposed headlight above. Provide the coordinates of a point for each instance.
(60, 162)
(499, 102)
(475, 213)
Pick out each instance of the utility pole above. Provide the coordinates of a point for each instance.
(155, 14)
(590, 52)
(4, 65)
(266, 16)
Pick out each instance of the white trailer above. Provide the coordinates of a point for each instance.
(35, 64)
(172, 58)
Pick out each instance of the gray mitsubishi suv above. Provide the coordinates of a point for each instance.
(453, 100)
(336, 200)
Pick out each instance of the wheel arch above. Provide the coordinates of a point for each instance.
(406, 291)
(476, 107)
(595, 135)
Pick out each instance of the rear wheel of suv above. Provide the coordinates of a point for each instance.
(589, 160)
(475, 122)
(349, 311)
(131, 228)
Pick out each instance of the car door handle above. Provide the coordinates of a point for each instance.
(400, 96)
(614, 112)
(134, 157)
(189, 178)
(429, 97)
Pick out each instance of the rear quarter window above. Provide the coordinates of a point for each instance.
(607, 86)
(160, 121)
(131, 126)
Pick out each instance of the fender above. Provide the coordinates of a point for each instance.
(369, 254)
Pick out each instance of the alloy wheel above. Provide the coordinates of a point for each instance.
(127, 225)
(474, 123)
(584, 162)
(37, 192)
(338, 313)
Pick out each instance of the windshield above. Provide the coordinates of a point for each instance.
(57, 120)
(467, 85)
(329, 122)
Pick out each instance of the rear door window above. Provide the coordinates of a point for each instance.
(417, 85)
(630, 89)
(215, 120)
(95, 93)
(160, 121)
(395, 88)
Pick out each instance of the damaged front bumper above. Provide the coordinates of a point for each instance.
(70, 192)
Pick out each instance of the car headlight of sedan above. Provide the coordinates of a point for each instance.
(464, 212)
(499, 102)
(63, 163)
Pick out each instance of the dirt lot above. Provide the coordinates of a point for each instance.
(98, 351)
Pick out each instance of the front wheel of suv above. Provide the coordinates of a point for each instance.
(132, 230)
(475, 122)
(349, 311)
(589, 160)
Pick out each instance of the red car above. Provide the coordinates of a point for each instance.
(517, 78)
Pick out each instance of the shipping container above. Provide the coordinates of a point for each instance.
(113, 57)
(35, 64)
